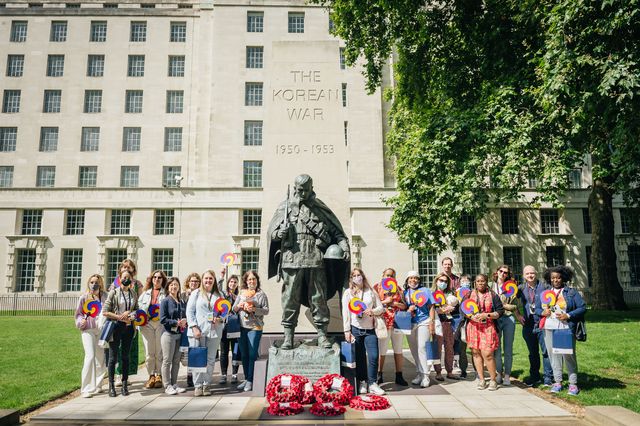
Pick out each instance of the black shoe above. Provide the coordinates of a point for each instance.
(125, 388)
(190, 381)
(112, 389)
(400, 380)
(531, 382)
(463, 375)
(380, 378)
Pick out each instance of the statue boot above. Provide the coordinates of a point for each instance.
(288, 338)
(323, 340)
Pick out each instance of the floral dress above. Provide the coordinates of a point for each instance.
(480, 335)
(389, 312)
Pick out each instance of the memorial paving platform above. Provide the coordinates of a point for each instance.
(441, 403)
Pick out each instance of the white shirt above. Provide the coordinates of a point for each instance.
(371, 299)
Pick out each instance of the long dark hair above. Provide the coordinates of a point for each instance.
(243, 283)
(234, 277)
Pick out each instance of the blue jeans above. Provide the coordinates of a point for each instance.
(507, 327)
(249, 347)
(366, 340)
(535, 345)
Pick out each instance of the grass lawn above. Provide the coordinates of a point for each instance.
(41, 359)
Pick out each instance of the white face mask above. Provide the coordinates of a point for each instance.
(442, 285)
(357, 279)
(465, 284)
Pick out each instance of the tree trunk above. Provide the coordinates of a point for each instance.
(606, 291)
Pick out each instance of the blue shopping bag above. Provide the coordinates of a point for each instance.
(233, 327)
(433, 351)
(197, 361)
(348, 354)
(107, 333)
(562, 342)
(184, 341)
(402, 322)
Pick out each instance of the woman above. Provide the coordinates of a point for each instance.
(392, 302)
(205, 327)
(191, 284)
(153, 294)
(226, 344)
(361, 329)
(120, 306)
(93, 369)
(423, 329)
(482, 336)
(506, 325)
(173, 320)
(568, 310)
(252, 305)
(445, 314)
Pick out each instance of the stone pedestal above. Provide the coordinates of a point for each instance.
(305, 359)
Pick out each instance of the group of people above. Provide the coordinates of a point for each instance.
(188, 308)
(489, 333)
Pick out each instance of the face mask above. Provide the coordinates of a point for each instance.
(126, 282)
(94, 286)
(442, 285)
(413, 284)
(357, 279)
(465, 284)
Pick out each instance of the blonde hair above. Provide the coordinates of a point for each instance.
(214, 288)
(130, 264)
(100, 281)
(434, 285)
(185, 283)
(365, 281)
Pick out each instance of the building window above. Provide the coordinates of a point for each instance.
(135, 68)
(575, 179)
(88, 176)
(589, 267)
(344, 94)
(509, 221)
(296, 22)
(48, 139)
(8, 138)
(176, 66)
(18, 31)
(15, 65)
(170, 175)
(346, 133)
(46, 176)
(138, 32)
(250, 259)
(131, 137)
(31, 222)
(114, 258)
(129, 176)
(253, 94)
(555, 255)
(633, 252)
(95, 65)
(25, 269)
(427, 266)
(6, 176)
(251, 221)
(110, 5)
(55, 65)
(162, 259)
(58, 31)
(90, 139)
(252, 174)
(11, 101)
(178, 32)
(173, 139)
(471, 261)
(255, 56)
(252, 133)
(629, 221)
(469, 224)
(92, 101)
(164, 222)
(175, 101)
(533, 183)
(98, 32)
(133, 101)
(586, 221)
(550, 221)
(52, 101)
(71, 269)
(120, 222)
(343, 62)
(512, 256)
(255, 22)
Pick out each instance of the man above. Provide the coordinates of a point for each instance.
(459, 351)
(530, 331)
(447, 268)
(301, 231)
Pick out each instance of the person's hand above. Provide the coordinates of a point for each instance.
(432, 328)
(562, 316)
(387, 300)
(249, 307)
(280, 233)
(348, 337)
(123, 316)
(477, 317)
(223, 272)
(411, 308)
(182, 323)
(346, 256)
(196, 332)
(83, 323)
(521, 320)
(368, 312)
(546, 312)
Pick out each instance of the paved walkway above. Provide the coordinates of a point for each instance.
(451, 401)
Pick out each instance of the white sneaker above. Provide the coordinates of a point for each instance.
(170, 390)
(375, 389)
(507, 380)
(87, 394)
(248, 386)
(417, 380)
(425, 382)
(241, 385)
(179, 389)
(363, 387)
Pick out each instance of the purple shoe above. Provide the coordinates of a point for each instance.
(573, 390)
(556, 388)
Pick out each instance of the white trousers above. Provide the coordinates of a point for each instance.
(151, 338)
(418, 345)
(212, 343)
(396, 342)
(93, 369)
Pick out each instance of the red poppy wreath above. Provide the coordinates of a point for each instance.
(286, 388)
(369, 403)
(285, 408)
(333, 388)
(327, 409)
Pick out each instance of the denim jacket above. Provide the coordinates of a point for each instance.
(576, 308)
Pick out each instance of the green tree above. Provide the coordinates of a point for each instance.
(491, 94)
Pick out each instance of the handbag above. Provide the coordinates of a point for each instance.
(348, 354)
(402, 322)
(197, 359)
(562, 342)
(101, 321)
(433, 350)
(381, 327)
(106, 335)
(581, 331)
(233, 326)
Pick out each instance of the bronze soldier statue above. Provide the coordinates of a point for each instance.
(310, 252)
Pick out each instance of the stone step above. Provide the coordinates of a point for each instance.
(613, 415)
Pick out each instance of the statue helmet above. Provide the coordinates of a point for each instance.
(334, 252)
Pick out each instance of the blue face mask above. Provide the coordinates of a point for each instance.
(465, 284)
(442, 285)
